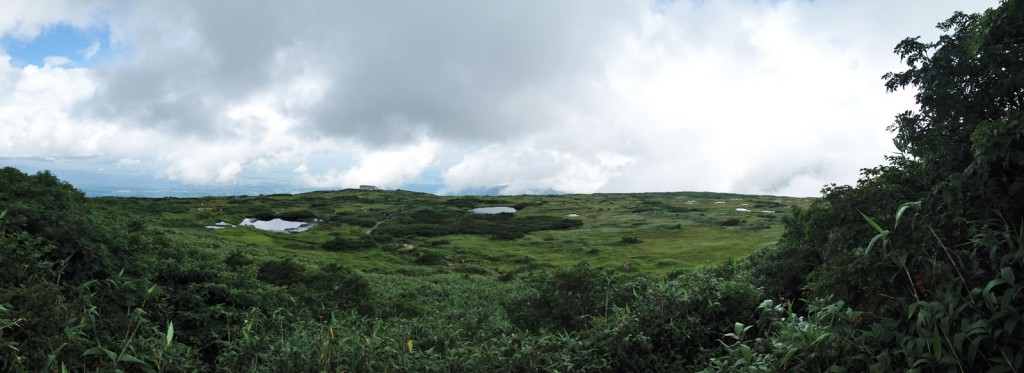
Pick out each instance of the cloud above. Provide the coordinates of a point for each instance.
(34, 121)
(389, 168)
(25, 19)
(127, 162)
(391, 72)
(56, 61)
(92, 50)
(531, 171)
(584, 96)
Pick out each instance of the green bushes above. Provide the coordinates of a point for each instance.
(237, 259)
(962, 315)
(282, 272)
(428, 258)
(86, 288)
(342, 243)
(448, 221)
(634, 323)
(297, 215)
(233, 309)
(782, 270)
(469, 202)
(924, 286)
(757, 226)
(565, 299)
(676, 324)
(366, 219)
(631, 240)
(260, 212)
(654, 205)
(331, 283)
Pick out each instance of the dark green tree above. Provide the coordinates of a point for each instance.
(967, 137)
(926, 251)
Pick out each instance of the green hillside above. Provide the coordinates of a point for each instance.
(387, 231)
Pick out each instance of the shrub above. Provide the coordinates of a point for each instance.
(757, 226)
(782, 270)
(341, 287)
(282, 272)
(261, 212)
(731, 222)
(631, 240)
(366, 219)
(343, 243)
(446, 221)
(297, 215)
(564, 299)
(238, 259)
(441, 242)
(674, 325)
(428, 258)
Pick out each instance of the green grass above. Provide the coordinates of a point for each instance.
(675, 230)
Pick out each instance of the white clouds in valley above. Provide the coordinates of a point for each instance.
(774, 97)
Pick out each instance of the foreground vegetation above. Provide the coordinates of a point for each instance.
(386, 280)
(915, 268)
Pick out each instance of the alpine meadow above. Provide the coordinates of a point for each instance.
(918, 267)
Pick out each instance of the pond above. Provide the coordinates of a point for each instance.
(278, 225)
(493, 210)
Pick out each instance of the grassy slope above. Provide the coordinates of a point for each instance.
(674, 232)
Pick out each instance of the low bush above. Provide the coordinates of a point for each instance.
(731, 222)
(631, 240)
(361, 219)
(282, 272)
(345, 243)
(565, 299)
(297, 215)
(447, 221)
(428, 258)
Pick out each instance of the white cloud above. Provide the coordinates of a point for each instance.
(34, 116)
(753, 98)
(388, 168)
(25, 19)
(127, 162)
(92, 50)
(55, 61)
(607, 96)
(522, 170)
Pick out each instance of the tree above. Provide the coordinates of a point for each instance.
(967, 134)
(939, 290)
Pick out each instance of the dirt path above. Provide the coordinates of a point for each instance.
(370, 231)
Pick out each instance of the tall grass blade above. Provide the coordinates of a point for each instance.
(170, 333)
(872, 223)
(903, 208)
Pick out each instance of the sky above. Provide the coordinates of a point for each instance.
(155, 98)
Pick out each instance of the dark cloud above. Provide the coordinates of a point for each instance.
(184, 63)
(393, 70)
(465, 71)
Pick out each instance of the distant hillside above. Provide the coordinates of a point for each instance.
(382, 230)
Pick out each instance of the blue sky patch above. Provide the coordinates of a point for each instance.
(84, 47)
